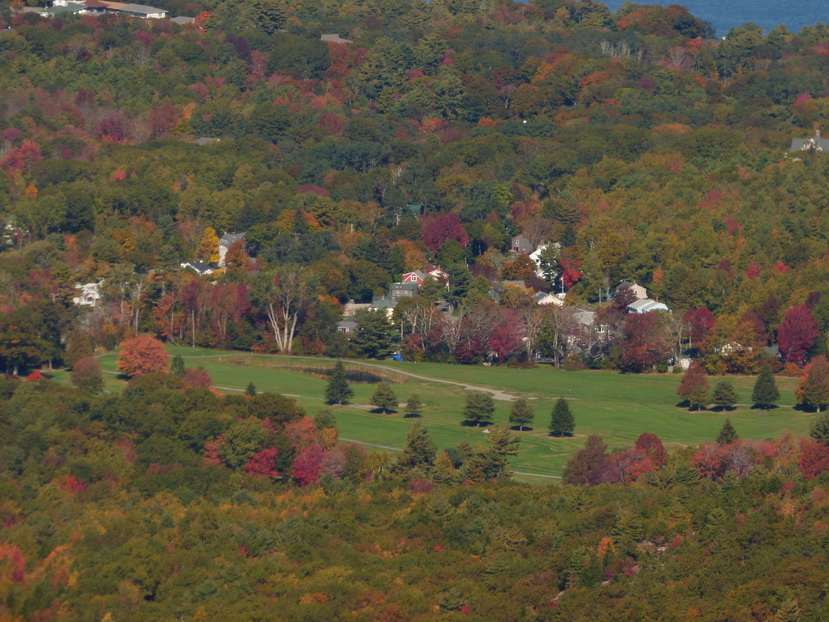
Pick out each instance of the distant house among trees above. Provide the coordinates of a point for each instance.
(638, 291)
(416, 276)
(90, 295)
(141, 11)
(225, 242)
(646, 305)
(199, 267)
(814, 143)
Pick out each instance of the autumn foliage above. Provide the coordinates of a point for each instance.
(140, 355)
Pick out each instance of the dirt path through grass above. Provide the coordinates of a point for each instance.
(496, 393)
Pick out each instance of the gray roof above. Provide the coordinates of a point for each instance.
(206, 140)
(141, 8)
(198, 266)
(646, 305)
(229, 238)
(815, 143)
(335, 38)
(521, 244)
(182, 20)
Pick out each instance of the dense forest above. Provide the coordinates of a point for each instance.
(418, 135)
(167, 502)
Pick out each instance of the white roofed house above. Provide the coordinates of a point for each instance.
(647, 305)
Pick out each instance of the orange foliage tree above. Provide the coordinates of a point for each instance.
(141, 355)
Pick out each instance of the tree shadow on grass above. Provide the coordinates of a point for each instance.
(526, 428)
(412, 416)
(475, 424)
(762, 407)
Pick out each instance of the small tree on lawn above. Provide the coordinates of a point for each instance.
(521, 414)
(384, 398)
(694, 386)
(562, 422)
(727, 434)
(813, 391)
(479, 408)
(338, 391)
(765, 393)
(251, 390)
(725, 396)
(413, 406)
(86, 375)
(141, 355)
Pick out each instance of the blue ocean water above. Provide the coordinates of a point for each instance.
(725, 14)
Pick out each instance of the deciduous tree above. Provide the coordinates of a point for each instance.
(86, 375)
(797, 334)
(813, 391)
(141, 355)
(694, 386)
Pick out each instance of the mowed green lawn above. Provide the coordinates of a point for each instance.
(618, 407)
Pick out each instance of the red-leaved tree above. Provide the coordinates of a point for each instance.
(197, 378)
(141, 355)
(442, 227)
(262, 463)
(307, 465)
(797, 334)
(814, 458)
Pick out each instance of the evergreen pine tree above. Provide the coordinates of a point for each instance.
(562, 422)
(765, 393)
(413, 406)
(177, 366)
(420, 450)
(338, 391)
(727, 434)
(521, 414)
(479, 407)
(444, 471)
(725, 396)
(384, 398)
(251, 390)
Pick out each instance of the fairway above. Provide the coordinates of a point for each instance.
(618, 407)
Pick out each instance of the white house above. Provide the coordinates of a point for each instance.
(544, 299)
(90, 295)
(198, 267)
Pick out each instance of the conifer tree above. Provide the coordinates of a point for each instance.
(413, 406)
(819, 430)
(338, 391)
(765, 393)
(479, 407)
(384, 398)
(562, 422)
(444, 471)
(420, 449)
(177, 368)
(727, 434)
(251, 389)
(725, 396)
(521, 414)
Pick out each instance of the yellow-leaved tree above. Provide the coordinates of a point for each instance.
(208, 250)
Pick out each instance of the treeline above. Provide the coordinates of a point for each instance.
(168, 501)
(647, 150)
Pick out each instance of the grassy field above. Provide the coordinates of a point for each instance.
(618, 407)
